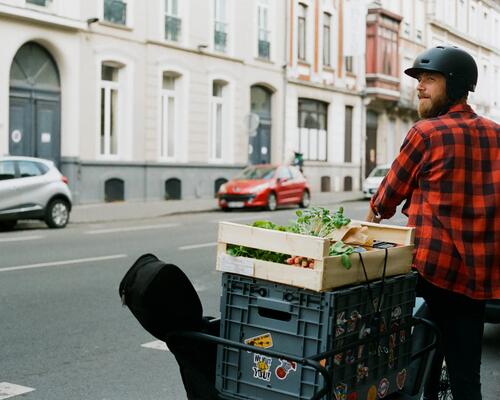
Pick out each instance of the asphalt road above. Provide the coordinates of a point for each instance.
(63, 331)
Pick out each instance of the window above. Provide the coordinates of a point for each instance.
(218, 112)
(115, 11)
(327, 20)
(349, 64)
(264, 45)
(28, 169)
(7, 170)
(220, 28)
(172, 20)
(169, 115)
(109, 109)
(312, 129)
(348, 134)
(42, 3)
(389, 44)
(301, 39)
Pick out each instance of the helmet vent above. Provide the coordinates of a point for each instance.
(440, 47)
(424, 61)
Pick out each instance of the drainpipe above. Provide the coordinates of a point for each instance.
(285, 82)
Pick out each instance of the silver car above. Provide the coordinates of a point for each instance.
(33, 188)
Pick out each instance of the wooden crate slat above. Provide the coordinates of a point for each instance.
(267, 239)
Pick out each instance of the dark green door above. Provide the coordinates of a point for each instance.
(35, 105)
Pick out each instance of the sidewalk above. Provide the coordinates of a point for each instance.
(120, 211)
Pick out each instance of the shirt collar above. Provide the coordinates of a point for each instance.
(460, 108)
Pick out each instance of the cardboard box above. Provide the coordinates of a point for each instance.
(328, 271)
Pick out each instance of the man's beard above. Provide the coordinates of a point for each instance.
(433, 107)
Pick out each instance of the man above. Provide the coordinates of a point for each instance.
(448, 172)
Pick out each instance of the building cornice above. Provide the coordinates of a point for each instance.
(325, 87)
(41, 18)
(460, 35)
(195, 51)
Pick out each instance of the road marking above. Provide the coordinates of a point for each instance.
(156, 345)
(10, 390)
(65, 262)
(21, 238)
(130, 228)
(197, 246)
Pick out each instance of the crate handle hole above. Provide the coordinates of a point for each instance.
(274, 314)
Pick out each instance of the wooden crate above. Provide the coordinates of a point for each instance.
(328, 271)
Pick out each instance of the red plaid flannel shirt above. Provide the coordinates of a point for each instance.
(448, 171)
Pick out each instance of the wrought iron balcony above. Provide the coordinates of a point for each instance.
(115, 11)
(220, 36)
(42, 3)
(264, 44)
(172, 28)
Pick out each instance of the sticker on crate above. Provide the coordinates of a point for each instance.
(372, 393)
(340, 391)
(285, 368)
(383, 388)
(264, 341)
(401, 379)
(262, 367)
(236, 265)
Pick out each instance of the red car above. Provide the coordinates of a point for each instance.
(267, 186)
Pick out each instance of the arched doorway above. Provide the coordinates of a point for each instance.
(259, 146)
(34, 104)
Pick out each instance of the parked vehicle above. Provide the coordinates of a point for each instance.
(265, 185)
(33, 188)
(374, 179)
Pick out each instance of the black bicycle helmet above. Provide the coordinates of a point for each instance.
(458, 67)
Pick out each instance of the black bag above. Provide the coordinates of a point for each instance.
(163, 300)
(161, 297)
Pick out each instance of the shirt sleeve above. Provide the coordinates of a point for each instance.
(402, 177)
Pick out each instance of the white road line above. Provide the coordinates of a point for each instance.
(20, 238)
(197, 246)
(130, 228)
(156, 345)
(11, 389)
(65, 262)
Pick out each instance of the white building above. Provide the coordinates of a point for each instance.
(470, 24)
(142, 100)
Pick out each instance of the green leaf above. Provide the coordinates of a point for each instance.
(346, 261)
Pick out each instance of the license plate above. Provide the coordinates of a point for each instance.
(236, 204)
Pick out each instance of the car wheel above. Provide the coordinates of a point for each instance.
(306, 200)
(57, 214)
(7, 225)
(272, 203)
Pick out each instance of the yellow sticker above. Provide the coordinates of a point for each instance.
(372, 393)
(263, 341)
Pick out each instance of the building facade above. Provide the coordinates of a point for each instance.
(413, 26)
(168, 99)
(141, 100)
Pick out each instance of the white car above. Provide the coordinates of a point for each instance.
(374, 179)
(33, 188)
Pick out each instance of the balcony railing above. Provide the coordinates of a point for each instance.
(220, 36)
(115, 11)
(264, 44)
(172, 28)
(42, 3)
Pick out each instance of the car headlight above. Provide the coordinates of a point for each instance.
(223, 188)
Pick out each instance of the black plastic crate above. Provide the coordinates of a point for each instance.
(371, 350)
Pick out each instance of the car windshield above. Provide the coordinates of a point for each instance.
(256, 173)
(379, 172)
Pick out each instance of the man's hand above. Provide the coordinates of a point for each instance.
(372, 217)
